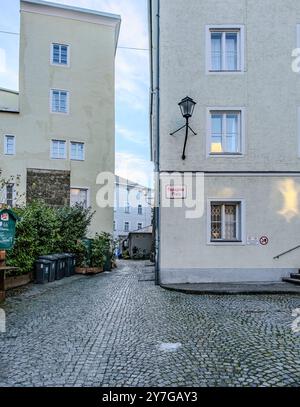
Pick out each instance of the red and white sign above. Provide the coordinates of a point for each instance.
(176, 192)
(264, 240)
(5, 217)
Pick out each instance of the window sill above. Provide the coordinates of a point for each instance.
(236, 155)
(60, 65)
(239, 72)
(226, 243)
(60, 113)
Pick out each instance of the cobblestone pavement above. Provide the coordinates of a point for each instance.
(114, 330)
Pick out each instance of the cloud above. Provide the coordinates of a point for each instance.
(130, 135)
(134, 168)
(134, 27)
(2, 61)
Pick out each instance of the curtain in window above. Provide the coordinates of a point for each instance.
(216, 222)
(230, 222)
(216, 136)
(231, 51)
(216, 51)
(232, 133)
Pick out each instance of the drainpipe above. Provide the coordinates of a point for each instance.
(155, 131)
(157, 152)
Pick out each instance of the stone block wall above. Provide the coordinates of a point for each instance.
(51, 186)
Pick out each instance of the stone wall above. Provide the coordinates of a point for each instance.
(51, 186)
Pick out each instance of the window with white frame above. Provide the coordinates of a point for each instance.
(225, 133)
(140, 226)
(58, 149)
(79, 196)
(9, 198)
(126, 227)
(59, 101)
(225, 221)
(225, 51)
(140, 210)
(115, 226)
(9, 145)
(60, 54)
(127, 207)
(77, 151)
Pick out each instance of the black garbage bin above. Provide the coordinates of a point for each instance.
(42, 269)
(53, 268)
(69, 261)
(73, 267)
(61, 265)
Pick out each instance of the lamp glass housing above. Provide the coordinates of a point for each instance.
(187, 106)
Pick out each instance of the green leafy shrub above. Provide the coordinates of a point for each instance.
(102, 249)
(37, 233)
(73, 226)
(43, 230)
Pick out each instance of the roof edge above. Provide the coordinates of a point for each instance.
(112, 19)
(9, 91)
(73, 8)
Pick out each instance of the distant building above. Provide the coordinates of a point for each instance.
(58, 133)
(133, 207)
(140, 243)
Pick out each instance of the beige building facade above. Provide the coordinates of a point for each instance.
(234, 59)
(62, 122)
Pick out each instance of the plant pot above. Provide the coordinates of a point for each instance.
(89, 270)
(17, 281)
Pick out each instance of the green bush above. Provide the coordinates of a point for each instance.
(103, 246)
(73, 226)
(44, 230)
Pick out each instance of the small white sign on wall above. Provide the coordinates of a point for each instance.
(176, 191)
(252, 241)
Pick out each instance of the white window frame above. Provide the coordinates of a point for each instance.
(67, 101)
(128, 226)
(3, 196)
(67, 65)
(115, 225)
(242, 221)
(242, 126)
(5, 145)
(70, 150)
(127, 207)
(51, 149)
(140, 207)
(241, 47)
(87, 189)
(140, 223)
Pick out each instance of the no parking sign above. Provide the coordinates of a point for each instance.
(264, 240)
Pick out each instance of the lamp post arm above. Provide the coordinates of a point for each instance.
(195, 134)
(174, 132)
(186, 137)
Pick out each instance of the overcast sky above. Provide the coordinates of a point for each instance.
(132, 78)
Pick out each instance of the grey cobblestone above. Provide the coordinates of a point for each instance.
(108, 330)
